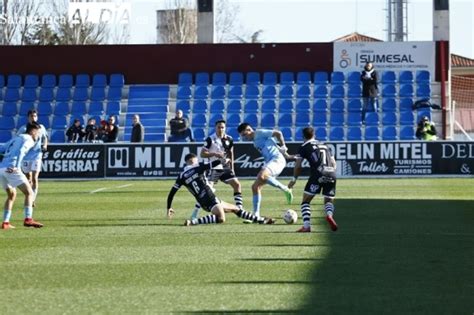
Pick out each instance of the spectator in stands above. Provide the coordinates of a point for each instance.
(91, 132)
(426, 129)
(138, 132)
(75, 132)
(110, 131)
(370, 79)
(179, 128)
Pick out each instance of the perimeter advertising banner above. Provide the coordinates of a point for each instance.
(167, 160)
(394, 56)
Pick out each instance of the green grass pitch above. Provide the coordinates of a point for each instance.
(404, 246)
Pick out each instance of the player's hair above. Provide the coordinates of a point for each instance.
(32, 111)
(242, 127)
(308, 133)
(189, 156)
(31, 126)
(220, 121)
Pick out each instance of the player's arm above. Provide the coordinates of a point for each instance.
(44, 142)
(279, 136)
(230, 156)
(205, 153)
(207, 166)
(296, 171)
(173, 191)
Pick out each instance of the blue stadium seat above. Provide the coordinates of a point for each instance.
(7, 123)
(98, 93)
(286, 91)
(372, 133)
(406, 104)
(354, 119)
(287, 78)
(83, 80)
(219, 78)
(215, 117)
(236, 78)
(114, 93)
(5, 136)
(389, 105)
(22, 120)
(371, 119)
(405, 77)
(303, 78)
(337, 91)
(303, 91)
(407, 133)
(303, 105)
(353, 77)
(233, 120)
(354, 91)
(337, 105)
(217, 106)
(184, 78)
(354, 105)
(183, 105)
(268, 121)
(234, 106)
(287, 133)
(99, 80)
(14, 81)
(46, 94)
(302, 118)
(389, 133)
(96, 108)
(270, 78)
(336, 119)
(202, 78)
(218, 92)
(389, 118)
(44, 120)
(78, 108)
(63, 94)
(268, 106)
(113, 108)
(337, 77)
(9, 109)
(320, 105)
(235, 92)
(25, 107)
(320, 91)
(251, 119)
(65, 81)
(286, 106)
(117, 80)
(31, 81)
(389, 77)
(269, 91)
(48, 81)
(29, 95)
(251, 106)
(252, 91)
(59, 122)
(423, 76)
(61, 109)
(321, 134)
(299, 134)
(423, 91)
(320, 78)
(184, 92)
(336, 134)
(45, 108)
(285, 120)
(319, 119)
(252, 78)
(199, 120)
(58, 136)
(154, 137)
(201, 92)
(12, 94)
(354, 134)
(406, 90)
(407, 118)
(200, 106)
(80, 94)
(389, 90)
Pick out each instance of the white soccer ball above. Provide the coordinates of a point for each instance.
(290, 216)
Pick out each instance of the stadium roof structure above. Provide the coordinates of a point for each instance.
(357, 37)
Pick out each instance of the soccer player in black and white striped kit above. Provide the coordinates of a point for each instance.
(322, 178)
(193, 178)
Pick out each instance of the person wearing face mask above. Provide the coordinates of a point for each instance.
(370, 79)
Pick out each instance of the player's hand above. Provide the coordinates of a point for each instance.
(291, 183)
(44, 149)
(170, 213)
(283, 149)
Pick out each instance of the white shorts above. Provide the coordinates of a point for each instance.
(12, 180)
(31, 166)
(275, 167)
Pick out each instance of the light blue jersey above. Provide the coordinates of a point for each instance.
(35, 153)
(267, 145)
(15, 151)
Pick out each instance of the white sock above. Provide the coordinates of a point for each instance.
(28, 212)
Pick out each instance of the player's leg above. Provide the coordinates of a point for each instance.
(311, 189)
(26, 189)
(235, 184)
(274, 168)
(7, 208)
(329, 192)
(195, 212)
(257, 190)
(35, 182)
(241, 213)
(217, 212)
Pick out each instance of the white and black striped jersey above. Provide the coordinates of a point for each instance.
(215, 144)
(317, 154)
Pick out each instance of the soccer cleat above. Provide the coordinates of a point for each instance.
(289, 196)
(32, 223)
(331, 222)
(269, 221)
(7, 226)
(304, 230)
(187, 223)
(247, 221)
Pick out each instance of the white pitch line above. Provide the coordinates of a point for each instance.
(123, 186)
(97, 190)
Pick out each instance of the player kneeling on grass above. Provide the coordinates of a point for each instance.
(322, 177)
(11, 175)
(193, 178)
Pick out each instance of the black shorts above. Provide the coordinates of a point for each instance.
(314, 187)
(208, 201)
(223, 175)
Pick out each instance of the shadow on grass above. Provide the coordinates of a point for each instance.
(244, 312)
